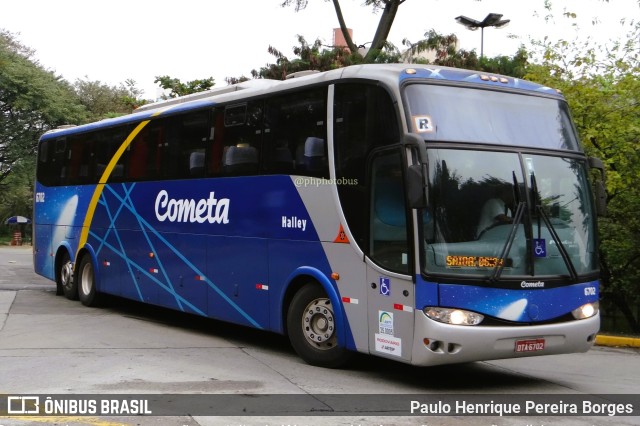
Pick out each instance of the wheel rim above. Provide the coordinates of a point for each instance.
(66, 274)
(86, 279)
(318, 324)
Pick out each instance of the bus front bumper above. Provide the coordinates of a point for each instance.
(437, 343)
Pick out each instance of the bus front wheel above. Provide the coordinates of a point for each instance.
(65, 284)
(312, 328)
(86, 279)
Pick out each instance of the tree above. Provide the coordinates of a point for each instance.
(603, 90)
(104, 101)
(444, 49)
(178, 88)
(389, 10)
(316, 57)
(32, 101)
(308, 57)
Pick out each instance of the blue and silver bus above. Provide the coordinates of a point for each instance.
(428, 215)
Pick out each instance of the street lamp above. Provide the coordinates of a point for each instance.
(492, 20)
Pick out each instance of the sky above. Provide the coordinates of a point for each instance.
(112, 41)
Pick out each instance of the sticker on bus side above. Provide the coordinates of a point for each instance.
(388, 344)
(385, 322)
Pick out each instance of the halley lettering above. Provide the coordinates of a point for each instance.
(204, 210)
(294, 222)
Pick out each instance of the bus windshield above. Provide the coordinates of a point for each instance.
(474, 226)
(462, 114)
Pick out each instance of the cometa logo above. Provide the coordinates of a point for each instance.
(210, 209)
(532, 284)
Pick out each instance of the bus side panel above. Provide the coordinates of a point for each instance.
(290, 259)
(178, 273)
(237, 280)
(285, 257)
(135, 278)
(42, 258)
(336, 255)
(57, 223)
(112, 265)
(353, 289)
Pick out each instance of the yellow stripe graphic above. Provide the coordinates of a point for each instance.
(103, 180)
(84, 235)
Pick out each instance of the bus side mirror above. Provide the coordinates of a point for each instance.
(599, 188)
(416, 193)
(417, 173)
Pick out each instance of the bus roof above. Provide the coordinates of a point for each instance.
(392, 74)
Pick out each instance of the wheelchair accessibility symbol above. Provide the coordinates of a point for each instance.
(385, 286)
(539, 247)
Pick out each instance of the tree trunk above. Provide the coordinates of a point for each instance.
(384, 26)
(343, 27)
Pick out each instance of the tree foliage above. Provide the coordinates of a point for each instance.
(32, 101)
(308, 57)
(602, 85)
(316, 57)
(177, 88)
(104, 101)
(443, 50)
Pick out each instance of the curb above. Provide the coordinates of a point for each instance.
(604, 340)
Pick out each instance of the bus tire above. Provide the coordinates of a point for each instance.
(312, 328)
(65, 284)
(86, 279)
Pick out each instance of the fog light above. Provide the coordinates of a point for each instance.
(453, 316)
(586, 311)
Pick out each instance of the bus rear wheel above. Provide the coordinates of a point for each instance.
(65, 284)
(86, 279)
(312, 328)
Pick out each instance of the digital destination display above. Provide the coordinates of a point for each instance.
(476, 262)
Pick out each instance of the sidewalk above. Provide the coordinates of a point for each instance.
(616, 341)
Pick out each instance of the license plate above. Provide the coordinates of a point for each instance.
(530, 345)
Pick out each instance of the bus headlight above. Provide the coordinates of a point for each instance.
(453, 316)
(586, 311)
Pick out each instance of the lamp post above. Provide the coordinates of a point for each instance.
(492, 20)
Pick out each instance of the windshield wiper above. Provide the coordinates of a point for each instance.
(497, 270)
(552, 230)
(518, 215)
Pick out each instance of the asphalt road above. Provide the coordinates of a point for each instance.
(52, 346)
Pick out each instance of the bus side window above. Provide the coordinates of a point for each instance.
(295, 134)
(118, 137)
(194, 129)
(215, 146)
(389, 245)
(138, 157)
(242, 138)
(45, 163)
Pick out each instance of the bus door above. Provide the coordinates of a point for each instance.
(391, 290)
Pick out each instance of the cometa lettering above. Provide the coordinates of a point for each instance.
(529, 284)
(210, 209)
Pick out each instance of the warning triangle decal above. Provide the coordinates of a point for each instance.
(342, 236)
